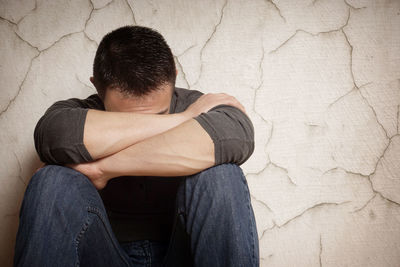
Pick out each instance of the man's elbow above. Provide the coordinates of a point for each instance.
(236, 151)
(56, 147)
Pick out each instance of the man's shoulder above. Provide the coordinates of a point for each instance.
(184, 93)
(183, 98)
(91, 102)
(187, 96)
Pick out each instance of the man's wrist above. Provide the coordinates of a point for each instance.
(187, 115)
(98, 176)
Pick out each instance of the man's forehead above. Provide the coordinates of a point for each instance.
(156, 102)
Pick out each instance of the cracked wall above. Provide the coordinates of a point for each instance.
(320, 80)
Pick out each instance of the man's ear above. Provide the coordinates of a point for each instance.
(92, 80)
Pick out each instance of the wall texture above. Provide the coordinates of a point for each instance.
(320, 80)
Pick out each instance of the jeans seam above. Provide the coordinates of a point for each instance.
(78, 239)
(97, 212)
(250, 213)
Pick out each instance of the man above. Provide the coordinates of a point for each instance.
(164, 163)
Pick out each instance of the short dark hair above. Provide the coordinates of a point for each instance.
(134, 59)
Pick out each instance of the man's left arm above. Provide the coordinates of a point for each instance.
(222, 135)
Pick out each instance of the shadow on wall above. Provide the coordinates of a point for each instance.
(10, 221)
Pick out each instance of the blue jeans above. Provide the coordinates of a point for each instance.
(63, 222)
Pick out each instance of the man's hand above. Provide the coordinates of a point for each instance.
(206, 102)
(91, 171)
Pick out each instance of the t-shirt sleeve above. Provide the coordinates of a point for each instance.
(58, 134)
(231, 131)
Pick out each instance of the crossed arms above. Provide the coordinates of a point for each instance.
(112, 144)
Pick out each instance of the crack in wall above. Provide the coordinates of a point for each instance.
(181, 66)
(83, 83)
(277, 9)
(16, 23)
(31, 11)
(89, 39)
(186, 50)
(269, 139)
(322, 204)
(376, 167)
(49, 47)
(284, 43)
(389, 200)
(265, 151)
(284, 169)
(371, 174)
(320, 250)
(355, 88)
(63, 36)
(19, 169)
(90, 15)
(9, 21)
(209, 39)
(314, 34)
(133, 13)
(352, 7)
(383, 154)
(268, 229)
(351, 58)
(261, 78)
(271, 131)
(262, 203)
(12, 100)
(376, 116)
(366, 204)
(28, 43)
(100, 8)
(18, 36)
(259, 172)
(183, 72)
(346, 171)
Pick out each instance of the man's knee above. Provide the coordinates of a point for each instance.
(55, 178)
(222, 181)
(58, 185)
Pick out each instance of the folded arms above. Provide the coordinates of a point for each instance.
(103, 145)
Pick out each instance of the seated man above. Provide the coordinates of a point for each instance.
(142, 173)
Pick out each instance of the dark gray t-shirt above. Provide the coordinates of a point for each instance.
(140, 207)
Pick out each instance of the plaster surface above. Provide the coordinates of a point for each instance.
(320, 80)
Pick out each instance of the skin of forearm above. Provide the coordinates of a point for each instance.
(183, 150)
(106, 133)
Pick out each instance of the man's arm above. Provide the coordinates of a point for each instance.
(183, 150)
(76, 131)
(106, 133)
(73, 131)
(223, 135)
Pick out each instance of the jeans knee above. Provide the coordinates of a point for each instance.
(57, 185)
(225, 181)
(55, 178)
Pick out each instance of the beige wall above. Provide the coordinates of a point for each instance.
(320, 80)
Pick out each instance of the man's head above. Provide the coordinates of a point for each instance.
(133, 63)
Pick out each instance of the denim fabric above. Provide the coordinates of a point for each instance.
(63, 222)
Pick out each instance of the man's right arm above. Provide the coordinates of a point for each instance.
(76, 131)
(71, 131)
(106, 133)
